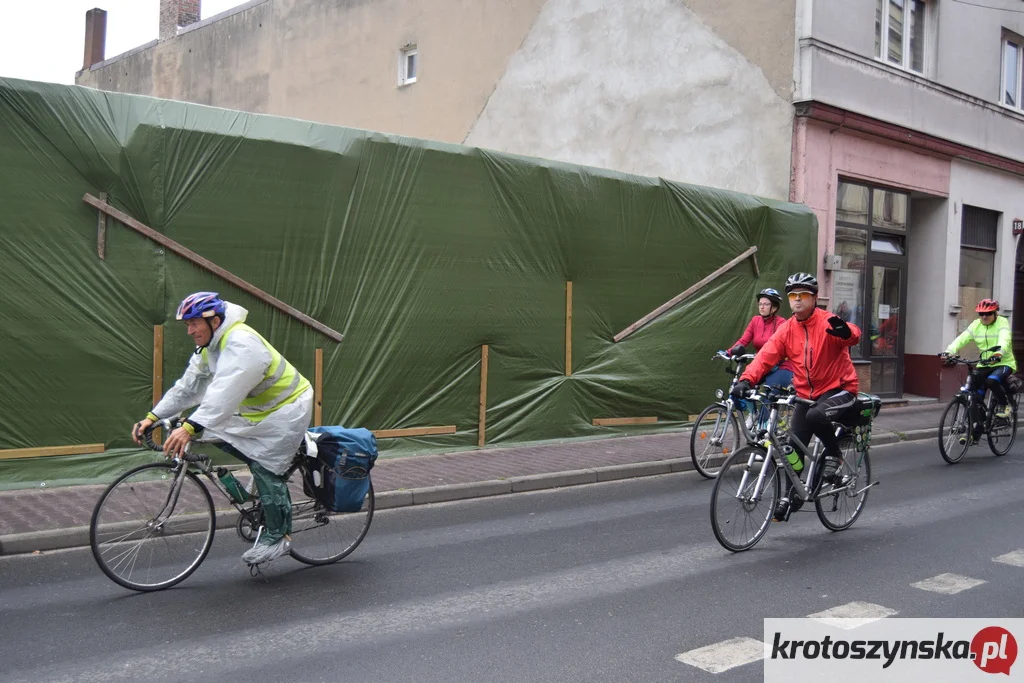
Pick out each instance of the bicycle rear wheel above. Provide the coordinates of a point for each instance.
(714, 436)
(323, 537)
(840, 500)
(955, 431)
(144, 540)
(1002, 431)
(737, 518)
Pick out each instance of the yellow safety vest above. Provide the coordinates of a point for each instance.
(282, 384)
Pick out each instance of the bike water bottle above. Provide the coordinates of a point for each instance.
(234, 487)
(795, 461)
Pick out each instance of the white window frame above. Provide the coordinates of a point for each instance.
(883, 42)
(407, 52)
(1010, 38)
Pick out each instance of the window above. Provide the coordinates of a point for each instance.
(977, 260)
(408, 65)
(871, 226)
(899, 33)
(1013, 72)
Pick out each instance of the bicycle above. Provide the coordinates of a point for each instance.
(154, 525)
(746, 490)
(711, 439)
(970, 414)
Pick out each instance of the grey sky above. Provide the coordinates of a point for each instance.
(45, 39)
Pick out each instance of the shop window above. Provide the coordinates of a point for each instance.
(978, 230)
(889, 210)
(848, 280)
(852, 203)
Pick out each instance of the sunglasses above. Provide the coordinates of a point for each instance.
(985, 315)
(796, 296)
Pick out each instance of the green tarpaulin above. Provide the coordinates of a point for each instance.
(418, 252)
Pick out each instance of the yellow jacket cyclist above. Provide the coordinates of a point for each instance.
(249, 396)
(990, 329)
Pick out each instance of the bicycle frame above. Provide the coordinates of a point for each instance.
(782, 463)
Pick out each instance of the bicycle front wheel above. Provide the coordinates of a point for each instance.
(955, 431)
(714, 436)
(146, 538)
(323, 537)
(840, 500)
(738, 518)
(1002, 431)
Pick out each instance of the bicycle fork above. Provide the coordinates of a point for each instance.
(157, 523)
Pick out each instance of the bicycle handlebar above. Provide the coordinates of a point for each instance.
(960, 360)
(170, 424)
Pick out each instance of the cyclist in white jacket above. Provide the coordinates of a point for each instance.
(249, 396)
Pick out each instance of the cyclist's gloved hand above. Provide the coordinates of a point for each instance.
(839, 328)
(947, 360)
(741, 389)
(995, 358)
(737, 350)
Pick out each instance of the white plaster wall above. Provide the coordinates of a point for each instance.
(989, 189)
(643, 87)
(927, 309)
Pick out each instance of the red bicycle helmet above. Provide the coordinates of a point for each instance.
(987, 306)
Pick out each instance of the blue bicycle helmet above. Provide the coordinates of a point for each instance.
(770, 294)
(201, 305)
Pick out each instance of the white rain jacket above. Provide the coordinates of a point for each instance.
(218, 388)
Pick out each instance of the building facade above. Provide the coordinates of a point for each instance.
(899, 122)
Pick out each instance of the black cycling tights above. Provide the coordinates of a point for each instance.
(831, 406)
(993, 378)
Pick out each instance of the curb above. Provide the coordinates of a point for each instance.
(57, 539)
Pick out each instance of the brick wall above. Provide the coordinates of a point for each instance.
(175, 13)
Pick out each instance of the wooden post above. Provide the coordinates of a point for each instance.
(158, 363)
(679, 297)
(483, 397)
(318, 390)
(101, 230)
(568, 328)
(158, 372)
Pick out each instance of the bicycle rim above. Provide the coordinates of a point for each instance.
(738, 521)
(139, 551)
(714, 437)
(954, 431)
(322, 537)
(1002, 432)
(840, 502)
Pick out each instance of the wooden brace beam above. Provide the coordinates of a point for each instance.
(616, 421)
(657, 312)
(45, 451)
(413, 431)
(210, 266)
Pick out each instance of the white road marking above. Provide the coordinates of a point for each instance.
(947, 584)
(1016, 558)
(852, 614)
(725, 655)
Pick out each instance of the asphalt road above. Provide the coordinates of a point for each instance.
(607, 582)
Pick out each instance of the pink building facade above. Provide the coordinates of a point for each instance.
(910, 236)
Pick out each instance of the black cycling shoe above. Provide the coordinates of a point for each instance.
(786, 507)
(830, 468)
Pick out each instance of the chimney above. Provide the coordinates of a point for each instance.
(95, 37)
(175, 14)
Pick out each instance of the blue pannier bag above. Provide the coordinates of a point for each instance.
(338, 474)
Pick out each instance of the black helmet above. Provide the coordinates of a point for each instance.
(803, 281)
(770, 294)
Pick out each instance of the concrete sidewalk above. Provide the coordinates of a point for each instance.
(45, 519)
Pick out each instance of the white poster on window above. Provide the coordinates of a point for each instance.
(883, 311)
(846, 295)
